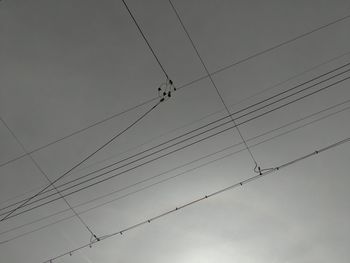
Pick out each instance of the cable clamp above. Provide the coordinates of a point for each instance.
(258, 170)
(165, 90)
(94, 239)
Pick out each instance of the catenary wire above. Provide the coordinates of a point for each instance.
(200, 199)
(180, 137)
(276, 95)
(181, 166)
(85, 159)
(189, 84)
(210, 136)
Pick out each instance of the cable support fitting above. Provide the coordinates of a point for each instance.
(258, 170)
(165, 90)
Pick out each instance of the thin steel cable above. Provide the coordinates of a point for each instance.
(246, 114)
(155, 98)
(181, 166)
(85, 159)
(263, 90)
(80, 131)
(183, 147)
(212, 81)
(47, 178)
(195, 201)
(145, 39)
(276, 95)
(173, 130)
(284, 43)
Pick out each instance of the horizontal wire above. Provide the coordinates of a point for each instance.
(197, 129)
(213, 194)
(188, 124)
(186, 85)
(181, 166)
(121, 166)
(263, 90)
(85, 159)
(110, 177)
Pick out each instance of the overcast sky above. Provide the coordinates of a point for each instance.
(65, 65)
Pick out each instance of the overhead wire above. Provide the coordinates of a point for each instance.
(283, 43)
(84, 159)
(92, 154)
(281, 167)
(187, 85)
(221, 98)
(331, 71)
(213, 83)
(183, 126)
(79, 131)
(205, 197)
(193, 136)
(145, 39)
(36, 164)
(182, 166)
(166, 154)
(263, 90)
(220, 119)
(187, 133)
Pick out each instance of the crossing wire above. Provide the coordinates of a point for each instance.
(212, 81)
(48, 179)
(178, 167)
(263, 90)
(161, 156)
(195, 81)
(84, 160)
(187, 133)
(205, 197)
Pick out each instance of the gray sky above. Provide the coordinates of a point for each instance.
(67, 64)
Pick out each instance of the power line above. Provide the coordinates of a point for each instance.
(181, 166)
(206, 125)
(283, 43)
(173, 130)
(263, 90)
(47, 178)
(192, 82)
(80, 131)
(85, 159)
(200, 199)
(212, 81)
(166, 154)
(145, 39)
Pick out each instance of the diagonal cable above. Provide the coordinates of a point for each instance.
(47, 178)
(84, 160)
(182, 166)
(205, 197)
(212, 81)
(145, 39)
